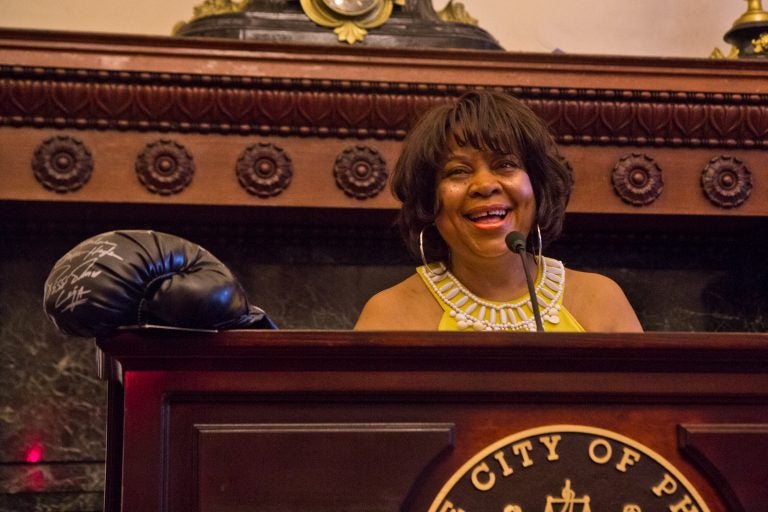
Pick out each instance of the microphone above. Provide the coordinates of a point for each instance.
(516, 243)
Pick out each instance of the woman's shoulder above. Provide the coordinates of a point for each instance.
(598, 303)
(590, 282)
(406, 305)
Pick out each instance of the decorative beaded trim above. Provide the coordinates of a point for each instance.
(472, 312)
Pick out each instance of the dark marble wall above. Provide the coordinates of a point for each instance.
(52, 406)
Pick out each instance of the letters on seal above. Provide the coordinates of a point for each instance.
(567, 468)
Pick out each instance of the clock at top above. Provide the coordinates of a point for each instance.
(351, 7)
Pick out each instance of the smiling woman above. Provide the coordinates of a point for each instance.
(471, 173)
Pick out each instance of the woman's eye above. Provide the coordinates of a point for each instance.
(457, 171)
(509, 164)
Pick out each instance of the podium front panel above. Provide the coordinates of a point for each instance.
(421, 422)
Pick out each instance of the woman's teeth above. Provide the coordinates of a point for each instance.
(487, 215)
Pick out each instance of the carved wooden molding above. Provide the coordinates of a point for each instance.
(712, 448)
(105, 99)
(62, 164)
(637, 179)
(264, 169)
(726, 181)
(361, 172)
(165, 167)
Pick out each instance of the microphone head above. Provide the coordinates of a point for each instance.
(515, 241)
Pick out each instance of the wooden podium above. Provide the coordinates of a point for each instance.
(381, 421)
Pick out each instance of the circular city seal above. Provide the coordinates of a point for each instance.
(570, 468)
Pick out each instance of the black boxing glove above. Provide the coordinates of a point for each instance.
(124, 278)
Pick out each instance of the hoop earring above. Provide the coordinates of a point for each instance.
(536, 257)
(421, 246)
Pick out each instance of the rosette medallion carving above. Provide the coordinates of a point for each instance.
(62, 164)
(726, 181)
(165, 167)
(637, 179)
(264, 169)
(360, 172)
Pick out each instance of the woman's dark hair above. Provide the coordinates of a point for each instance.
(485, 120)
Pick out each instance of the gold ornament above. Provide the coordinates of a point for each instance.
(211, 8)
(456, 13)
(753, 14)
(350, 19)
(760, 44)
(718, 54)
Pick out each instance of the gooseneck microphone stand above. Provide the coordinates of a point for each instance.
(516, 243)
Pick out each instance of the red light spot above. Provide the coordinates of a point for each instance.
(34, 452)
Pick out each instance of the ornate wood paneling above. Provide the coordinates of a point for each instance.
(264, 169)
(726, 181)
(62, 164)
(244, 123)
(165, 167)
(637, 179)
(360, 172)
(103, 99)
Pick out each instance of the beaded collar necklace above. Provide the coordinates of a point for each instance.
(472, 312)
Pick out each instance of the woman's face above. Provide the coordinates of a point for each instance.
(482, 196)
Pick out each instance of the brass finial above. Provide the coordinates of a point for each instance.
(749, 33)
(754, 14)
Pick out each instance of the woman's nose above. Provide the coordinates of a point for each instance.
(484, 183)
